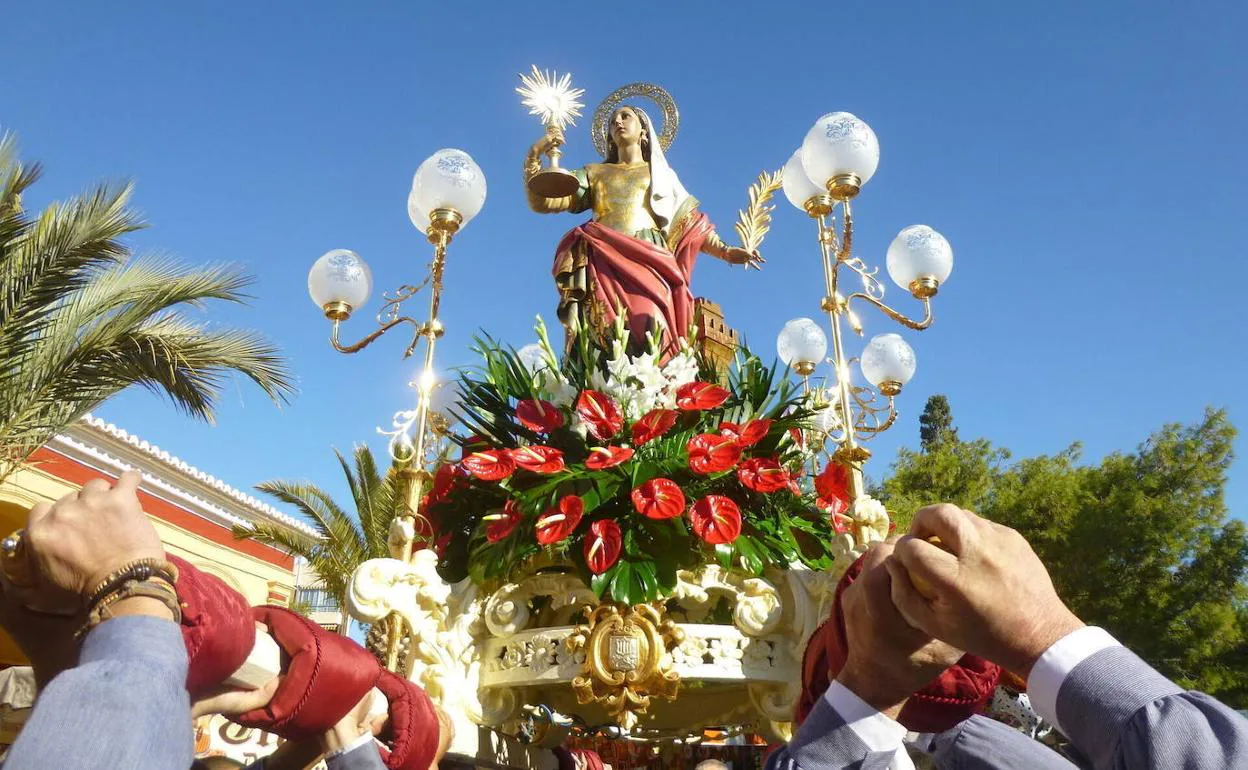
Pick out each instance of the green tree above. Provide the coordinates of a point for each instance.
(936, 423)
(1140, 543)
(346, 540)
(81, 320)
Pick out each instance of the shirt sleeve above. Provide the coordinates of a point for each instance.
(360, 754)
(859, 737)
(1121, 714)
(875, 730)
(1051, 670)
(981, 743)
(124, 705)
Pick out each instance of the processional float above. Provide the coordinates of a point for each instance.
(635, 531)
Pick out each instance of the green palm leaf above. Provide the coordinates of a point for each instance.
(346, 539)
(80, 321)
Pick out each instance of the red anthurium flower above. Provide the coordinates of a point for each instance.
(603, 457)
(716, 519)
(749, 434)
(446, 478)
(491, 465)
(502, 523)
(653, 424)
(763, 474)
(659, 499)
(600, 413)
(557, 523)
(693, 396)
(473, 443)
(709, 453)
(602, 545)
(832, 486)
(540, 416)
(539, 459)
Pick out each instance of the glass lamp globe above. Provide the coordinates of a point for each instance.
(797, 185)
(419, 216)
(533, 357)
(828, 419)
(801, 344)
(340, 282)
(888, 363)
(450, 179)
(840, 153)
(919, 260)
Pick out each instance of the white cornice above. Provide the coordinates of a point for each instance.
(110, 449)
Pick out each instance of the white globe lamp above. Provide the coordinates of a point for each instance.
(888, 363)
(339, 283)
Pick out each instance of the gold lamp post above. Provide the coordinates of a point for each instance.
(448, 190)
(838, 156)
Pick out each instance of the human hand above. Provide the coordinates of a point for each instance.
(552, 139)
(355, 723)
(77, 542)
(984, 588)
(739, 256)
(888, 659)
(231, 701)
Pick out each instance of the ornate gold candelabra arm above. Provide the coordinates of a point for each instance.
(387, 318)
(867, 421)
(893, 314)
(385, 327)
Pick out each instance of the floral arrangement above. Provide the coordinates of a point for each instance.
(628, 468)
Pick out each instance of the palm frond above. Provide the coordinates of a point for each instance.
(79, 322)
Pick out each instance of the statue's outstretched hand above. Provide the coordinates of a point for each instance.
(553, 138)
(739, 256)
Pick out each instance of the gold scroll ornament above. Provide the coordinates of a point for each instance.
(627, 660)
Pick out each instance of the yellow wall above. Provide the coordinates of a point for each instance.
(247, 574)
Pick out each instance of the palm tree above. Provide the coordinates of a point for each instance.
(81, 320)
(346, 540)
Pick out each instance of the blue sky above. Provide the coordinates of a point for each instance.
(1086, 160)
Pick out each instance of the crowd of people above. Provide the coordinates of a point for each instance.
(88, 595)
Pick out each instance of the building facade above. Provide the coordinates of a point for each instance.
(193, 511)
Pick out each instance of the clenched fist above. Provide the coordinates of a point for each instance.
(984, 589)
(82, 538)
(888, 659)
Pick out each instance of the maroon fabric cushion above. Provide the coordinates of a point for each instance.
(962, 690)
(216, 627)
(324, 676)
(589, 757)
(414, 731)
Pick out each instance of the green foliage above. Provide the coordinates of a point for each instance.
(347, 539)
(778, 528)
(1140, 543)
(80, 320)
(936, 423)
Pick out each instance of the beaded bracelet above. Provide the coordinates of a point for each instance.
(139, 570)
(154, 588)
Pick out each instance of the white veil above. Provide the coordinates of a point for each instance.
(667, 194)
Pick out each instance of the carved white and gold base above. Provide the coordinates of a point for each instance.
(725, 648)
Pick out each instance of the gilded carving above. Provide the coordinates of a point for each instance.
(628, 660)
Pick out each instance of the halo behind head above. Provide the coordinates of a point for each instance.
(656, 94)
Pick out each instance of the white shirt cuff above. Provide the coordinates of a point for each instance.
(1051, 670)
(874, 729)
(364, 739)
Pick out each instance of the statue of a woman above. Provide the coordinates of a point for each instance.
(636, 255)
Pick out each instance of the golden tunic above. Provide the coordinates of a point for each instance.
(618, 195)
